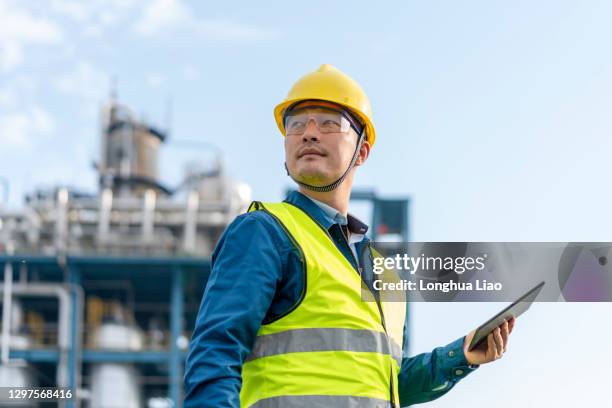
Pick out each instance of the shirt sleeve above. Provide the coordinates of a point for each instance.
(246, 269)
(428, 376)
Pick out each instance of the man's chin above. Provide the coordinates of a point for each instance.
(313, 179)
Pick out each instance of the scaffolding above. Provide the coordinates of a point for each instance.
(170, 286)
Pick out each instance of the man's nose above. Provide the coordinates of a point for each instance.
(312, 131)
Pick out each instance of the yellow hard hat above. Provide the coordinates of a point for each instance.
(330, 84)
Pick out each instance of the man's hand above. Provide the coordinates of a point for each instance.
(491, 349)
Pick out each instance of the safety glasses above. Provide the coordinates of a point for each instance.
(327, 120)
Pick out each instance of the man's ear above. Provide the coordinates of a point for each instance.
(364, 153)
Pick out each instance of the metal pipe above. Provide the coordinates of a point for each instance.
(6, 306)
(148, 215)
(176, 330)
(61, 220)
(191, 221)
(104, 214)
(77, 347)
(63, 295)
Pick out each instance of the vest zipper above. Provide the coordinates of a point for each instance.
(377, 300)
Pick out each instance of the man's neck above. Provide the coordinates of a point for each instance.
(338, 198)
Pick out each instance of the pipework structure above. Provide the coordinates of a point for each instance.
(99, 289)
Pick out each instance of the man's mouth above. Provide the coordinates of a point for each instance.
(310, 152)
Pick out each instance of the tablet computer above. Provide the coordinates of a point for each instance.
(514, 310)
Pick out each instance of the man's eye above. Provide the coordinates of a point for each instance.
(331, 123)
(296, 125)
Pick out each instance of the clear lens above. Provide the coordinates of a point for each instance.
(327, 121)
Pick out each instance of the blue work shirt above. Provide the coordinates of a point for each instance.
(255, 278)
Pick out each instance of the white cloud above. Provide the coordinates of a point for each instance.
(42, 121)
(93, 31)
(11, 55)
(108, 17)
(94, 17)
(21, 25)
(173, 16)
(232, 31)
(7, 98)
(14, 129)
(25, 85)
(190, 72)
(18, 94)
(155, 80)
(19, 29)
(76, 10)
(84, 80)
(20, 129)
(162, 15)
(103, 12)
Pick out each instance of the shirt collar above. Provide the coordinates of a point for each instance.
(331, 212)
(325, 214)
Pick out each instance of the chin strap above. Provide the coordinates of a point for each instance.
(335, 184)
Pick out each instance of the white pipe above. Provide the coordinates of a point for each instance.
(148, 215)
(61, 221)
(104, 214)
(6, 307)
(63, 294)
(191, 221)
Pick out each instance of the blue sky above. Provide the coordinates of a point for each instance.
(493, 116)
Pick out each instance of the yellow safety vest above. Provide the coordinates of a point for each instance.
(333, 349)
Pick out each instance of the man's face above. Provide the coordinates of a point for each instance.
(316, 157)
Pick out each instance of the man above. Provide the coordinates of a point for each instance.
(283, 322)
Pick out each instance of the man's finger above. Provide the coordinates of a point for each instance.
(505, 333)
(490, 345)
(499, 342)
(511, 324)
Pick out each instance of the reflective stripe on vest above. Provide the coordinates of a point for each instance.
(331, 349)
(325, 339)
(321, 401)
